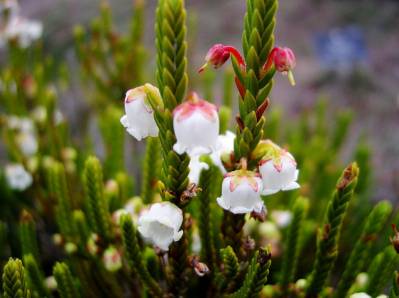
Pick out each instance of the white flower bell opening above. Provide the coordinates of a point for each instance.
(139, 118)
(17, 177)
(241, 192)
(196, 125)
(161, 223)
(278, 170)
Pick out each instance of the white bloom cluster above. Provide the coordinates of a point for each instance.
(25, 134)
(196, 126)
(242, 190)
(39, 114)
(17, 177)
(14, 26)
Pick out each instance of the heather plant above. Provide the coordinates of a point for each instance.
(220, 210)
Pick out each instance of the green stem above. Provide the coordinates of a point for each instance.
(327, 246)
(381, 270)
(135, 258)
(151, 167)
(291, 247)
(206, 183)
(375, 222)
(256, 276)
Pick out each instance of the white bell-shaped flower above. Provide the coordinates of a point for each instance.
(160, 224)
(196, 125)
(17, 177)
(278, 170)
(139, 118)
(225, 145)
(241, 192)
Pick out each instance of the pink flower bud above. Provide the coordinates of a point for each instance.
(283, 60)
(219, 54)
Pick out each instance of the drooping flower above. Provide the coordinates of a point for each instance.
(218, 54)
(277, 168)
(17, 177)
(161, 223)
(196, 125)
(241, 192)
(139, 118)
(112, 259)
(225, 145)
(283, 59)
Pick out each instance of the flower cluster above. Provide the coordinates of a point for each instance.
(13, 26)
(196, 127)
(17, 177)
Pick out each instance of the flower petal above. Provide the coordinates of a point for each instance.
(291, 186)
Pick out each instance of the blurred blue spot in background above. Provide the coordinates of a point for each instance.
(341, 49)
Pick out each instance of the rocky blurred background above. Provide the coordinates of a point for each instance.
(347, 52)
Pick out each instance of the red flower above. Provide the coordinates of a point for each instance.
(219, 54)
(283, 60)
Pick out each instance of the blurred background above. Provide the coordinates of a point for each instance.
(347, 55)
